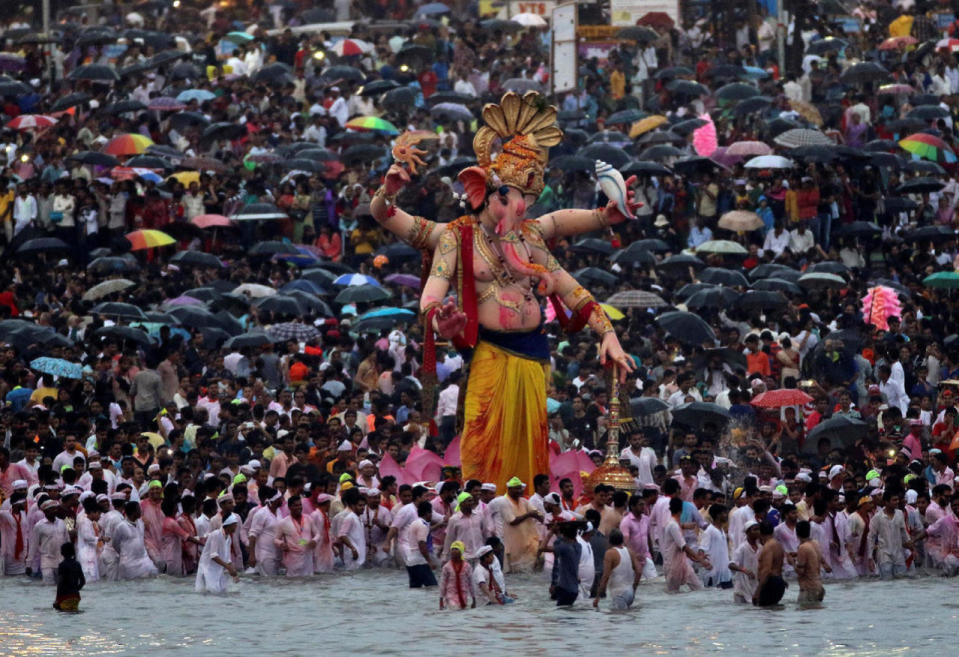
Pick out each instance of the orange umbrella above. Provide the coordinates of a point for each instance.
(148, 239)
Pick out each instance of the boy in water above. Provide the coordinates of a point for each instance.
(809, 562)
(70, 580)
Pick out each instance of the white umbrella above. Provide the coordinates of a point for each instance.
(255, 290)
(770, 162)
(529, 20)
(107, 287)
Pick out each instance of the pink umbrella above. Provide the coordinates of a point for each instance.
(748, 148)
(704, 138)
(210, 221)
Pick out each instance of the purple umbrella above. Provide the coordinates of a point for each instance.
(165, 104)
(719, 155)
(406, 280)
(183, 301)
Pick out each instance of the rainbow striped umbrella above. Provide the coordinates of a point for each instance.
(128, 144)
(148, 239)
(372, 124)
(929, 147)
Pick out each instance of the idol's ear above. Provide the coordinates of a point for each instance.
(474, 182)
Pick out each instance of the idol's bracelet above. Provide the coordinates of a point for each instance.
(601, 217)
(388, 199)
(602, 324)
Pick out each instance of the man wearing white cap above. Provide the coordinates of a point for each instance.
(14, 535)
(323, 557)
(109, 559)
(376, 520)
(48, 535)
(129, 543)
(216, 563)
(366, 474)
(350, 533)
(263, 552)
(745, 564)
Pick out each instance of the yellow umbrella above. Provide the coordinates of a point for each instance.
(647, 124)
(186, 177)
(807, 111)
(155, 439)
(612, 312)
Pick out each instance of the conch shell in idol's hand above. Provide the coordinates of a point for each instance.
(405, 150)
(613, 186)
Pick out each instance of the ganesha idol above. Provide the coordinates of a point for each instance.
(491, 272)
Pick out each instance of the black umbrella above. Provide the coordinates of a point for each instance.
(644, 168)
(398, 252)
(671, 72)
(899, 204)
(281, 304)
(149, 162)
(724, 71)
(311, 303)
(905, 124)
(158, 317)
(185, 71)
(736, 91)
(688, 328)
(454, 166)
(595, 276)
(273, 247)
(415, 55)
(681, 261)
(96, 37)
(15, 89)
(777, 284)
(223, 131)
(451, 112)
(608, 153)
(762, 300)
(860, 229)
(634, 256)
(303, 164)
(880, 145)
(924, 167)
(639, 33)
(928, 112)
(609, 137)
(752, 105)
(572, 163)
(119, 310)
(592, 245)
(377, 87)
(920, 186)
(94, 158)
(660, 152)
(112, 265)
(362, 294)
(68, 101)
(699, 414)
(625, 116)
(713, 298)
(828, 267)
(182, 120)
(196, 259)
(128, 333)
(195, 317)
(165, 57)
(688, 126)
(863, 72)
(694, 164)
(320, 276)
(522, 85)
(125, 106)
(886, 160)
(734, 357)
(814, 153)
(317, 154)
(780, 125)
(926, 233)
(690, 289)
(651, 244)
(449, 97)
(369, 153)
(645, 406)
(661, 137)
(399, 100)
(43, 245)
(687, 88)
(334, 73)
(570, 115)
(100, 72)
(827, 45)
(252, 339)
(840, 430)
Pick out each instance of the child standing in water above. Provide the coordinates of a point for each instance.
(70, 580)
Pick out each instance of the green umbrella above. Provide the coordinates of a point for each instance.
(942, 279)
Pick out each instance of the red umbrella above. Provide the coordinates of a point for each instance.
(780, 398)
(659, 20)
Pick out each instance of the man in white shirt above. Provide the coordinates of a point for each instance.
(446, 407)
(316, 132)
(686, 389)
(339, 109)
(24, 209)
(640, 454)
(776, 240)
(801, 240)
(893, 390)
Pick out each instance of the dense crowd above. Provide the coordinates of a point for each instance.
(242, 396)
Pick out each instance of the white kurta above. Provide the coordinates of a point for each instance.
(263, 529)
(351, 527)
(46, 540)
(87, 548)
(745, 556)
(129, 544)
(109, 559)
(211, 576)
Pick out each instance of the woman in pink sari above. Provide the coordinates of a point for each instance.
(456, 581)
(191, 549)
(323, 558)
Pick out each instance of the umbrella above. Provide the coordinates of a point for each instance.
(211, 221)
(815, 153)
(449, 97)
(736, 91)
(920, 186)
(100, 72)
(303, 285)
(777, 284)
(406, 280)
(239, 38)
(31, 122)
(720, 276)
(659, 20)
(182, 120)
(661, 137)
(639, 33)
(645, 125)
(762, 300)
(660, 152)
(377, 87)
(521, 85)
(356, 279)
(688, 328)
(644, 168)
(687, 88)
(398, 252)
(840, 428)
(608, 153)
(636, 299)
(821, 280)
(625, 116)
(590, 245)
(451, 112)
(896, 89)
(57, 367)
(372, 124)
(312, 303)
(367, 153)
(148, 162)
(293, 331)
(400, 99)
(802, 137)
(94, 158)
(748, 148)
(595, 276)
(924, 233)
(195, 317)
(698, 414)
(43, 245)
(128, 144)
(929, 147)
(734, 357)
(752, 105)
(527, 19)
(196, 259)
(880, 145)
(860, 229)
(681, 261)
(362, 294)
(823, 46)
(723, 247)
(712, 297)
(118, 310)
(740, 220)
(148, 239)
(780, 398)
(923, 167)
(863, 72)
(645, 406)
(343, 73)
(694, 164)
(107, 288)
(673, 72)
(228, 131)
(319, 276)
(611, 137)
(255, 290)
(257, 211)
(942, 279)
(199, 95)
(112, 265)
(252, 339)
(769, 162)
(124, 333)
(900, 204)
(165, 104)
(687, 127)
(928, 112)
(807, 111)
(634, 256)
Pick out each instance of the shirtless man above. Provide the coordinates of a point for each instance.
(771, 587)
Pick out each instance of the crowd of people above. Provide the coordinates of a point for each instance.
(260, 413)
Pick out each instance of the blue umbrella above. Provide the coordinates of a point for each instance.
(388, 312)
(356, 279)
(754, 73)
(57, 367)
(432, 8)
(198, 95)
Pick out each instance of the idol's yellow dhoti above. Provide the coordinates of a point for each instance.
(505, 431)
